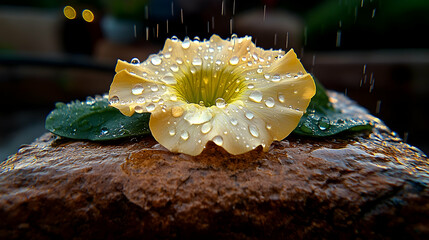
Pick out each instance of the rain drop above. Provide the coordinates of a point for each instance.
(169, 79)
(179, 60)
(220, 103)
(253, 130)
(114, 100)
(150, 107)
(90, 100)
(156, 60)
(323, 123)
(250, 86)
(174, 39)
(154, 88)
(177, 111)
(138, 109)
(268, 126)
(249, 115)
(135, 61)
(197, 61)
(172, 132)
(256, 96)
(206, 127)
(281, 98)
(269, 102)
(234, 60)
(184, 135)
(276, 78)
(104, 131)
(174, 68)
(137, 89)
(141, 100)
(234, 121)
(186, 43)
(267, 76)
(218, 140)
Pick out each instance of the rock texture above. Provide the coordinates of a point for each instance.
(365, 186)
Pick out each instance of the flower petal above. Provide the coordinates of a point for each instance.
(131, 93)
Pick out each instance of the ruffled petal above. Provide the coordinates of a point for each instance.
(131, 93)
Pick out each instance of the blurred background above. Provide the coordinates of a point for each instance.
(374, 51)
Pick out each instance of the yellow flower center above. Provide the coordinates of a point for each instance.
(210, 85)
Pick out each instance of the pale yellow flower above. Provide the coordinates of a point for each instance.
(227, 91)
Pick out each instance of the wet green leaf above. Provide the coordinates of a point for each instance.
(322, 119)
(95, 120)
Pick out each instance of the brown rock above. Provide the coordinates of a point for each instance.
(365, 186)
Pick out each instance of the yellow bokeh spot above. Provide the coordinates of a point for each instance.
(69, 12)
(88, 15)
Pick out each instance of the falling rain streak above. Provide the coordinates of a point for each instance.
(265, 11)
(338, 42)
(377, 107)
(287, 40)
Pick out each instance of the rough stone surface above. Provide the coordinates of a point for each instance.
(365, 186)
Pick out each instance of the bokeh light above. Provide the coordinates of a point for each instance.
(69, 12)
(88, 15)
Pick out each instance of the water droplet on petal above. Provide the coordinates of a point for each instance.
(323, 123)
(177, 111)
(211, 50)
(174, 68)
(114, 100)
(295, 92)
(250, 86)
(276, 78)
(234, 121)
(184, 135)
(186, 43)
(169, 79)
(269, 102)
(154, 88)
(174, 39)
(150, 107)
(249, 115)
(267, 76)
(179, 60)
(198, 117)
(173, 98)
(135, 61)
(268, 126)
(206, 127)
(234, 60)
(220, 103)
(218, 62)
(172, 132)
(197, 61)
(256, 96)
(218, 140)
(281, 98)
(137, 89)
(253, 130)
(155, 60)
(138, 109)
(141, 100)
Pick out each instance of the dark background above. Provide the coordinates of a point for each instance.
(375, 51)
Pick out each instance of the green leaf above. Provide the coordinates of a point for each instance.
(95, 120)
(322, 119)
